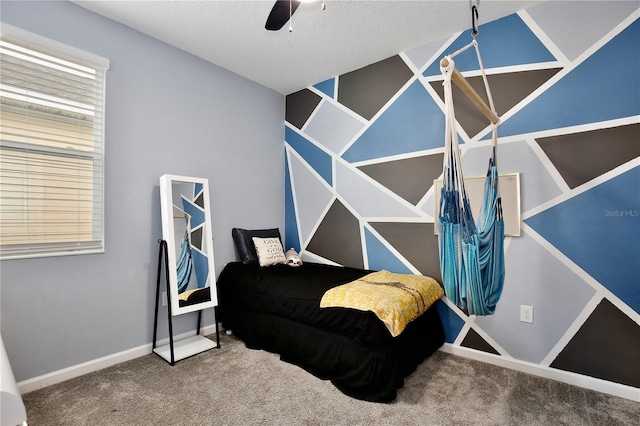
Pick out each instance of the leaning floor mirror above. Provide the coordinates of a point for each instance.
(186, 228)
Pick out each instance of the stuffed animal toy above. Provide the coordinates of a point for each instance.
(292, 258)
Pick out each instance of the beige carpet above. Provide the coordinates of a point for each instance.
(238, 386)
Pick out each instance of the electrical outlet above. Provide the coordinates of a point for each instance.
(526, 313)
(164, 298)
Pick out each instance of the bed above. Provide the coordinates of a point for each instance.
(277, 309)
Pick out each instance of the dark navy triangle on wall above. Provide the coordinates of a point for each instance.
(507, 90)
(580, 157)
(338, 237)
(393, 175)
(299, 107)
(474, 341)
(416, 242)
(368, 89)
(607, 347)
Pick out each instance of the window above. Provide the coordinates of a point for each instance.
(51, 147)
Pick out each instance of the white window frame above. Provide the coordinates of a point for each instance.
(95, 155)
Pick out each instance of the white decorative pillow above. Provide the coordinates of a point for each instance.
(269, 251)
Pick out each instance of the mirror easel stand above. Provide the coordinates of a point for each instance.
(177, 350)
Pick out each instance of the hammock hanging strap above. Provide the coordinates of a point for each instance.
(471, 255)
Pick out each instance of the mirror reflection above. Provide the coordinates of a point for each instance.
(187, 231)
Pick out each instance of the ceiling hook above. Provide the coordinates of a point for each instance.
(474, 16)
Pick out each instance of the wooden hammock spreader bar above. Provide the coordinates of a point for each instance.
(470, 92)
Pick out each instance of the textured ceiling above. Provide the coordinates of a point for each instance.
(346, 36)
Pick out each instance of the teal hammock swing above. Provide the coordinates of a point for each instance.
(184, 263)
(471, 253)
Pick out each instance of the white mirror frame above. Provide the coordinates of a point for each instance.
(178, 211)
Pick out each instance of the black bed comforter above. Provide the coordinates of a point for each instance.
(276, 308)
(295, 293)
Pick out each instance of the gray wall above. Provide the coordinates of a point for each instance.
(167, 112)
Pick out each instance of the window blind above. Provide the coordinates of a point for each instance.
(51, 147)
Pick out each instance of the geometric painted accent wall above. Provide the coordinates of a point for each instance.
(578, 156)
(363, 149)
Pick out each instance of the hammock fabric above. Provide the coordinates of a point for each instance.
(471, 256)
(185, 264)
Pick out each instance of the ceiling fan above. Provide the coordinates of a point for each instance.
(282, 12)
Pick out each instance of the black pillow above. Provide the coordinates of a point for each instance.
(242, 239)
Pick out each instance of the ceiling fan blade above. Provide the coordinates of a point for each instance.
(280, 14)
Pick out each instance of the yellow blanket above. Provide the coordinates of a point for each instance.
(396, 299)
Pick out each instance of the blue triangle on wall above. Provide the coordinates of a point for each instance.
(598, 230)
(380, 257)
(319, 160)
(328, 87)
(603, 87)
(193, 210)
(504, 42)
(412, 123)
(197, 188)
(291, 237)
(451, 322)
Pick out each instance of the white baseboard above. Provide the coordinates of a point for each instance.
(599, 385)
(100, 363)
